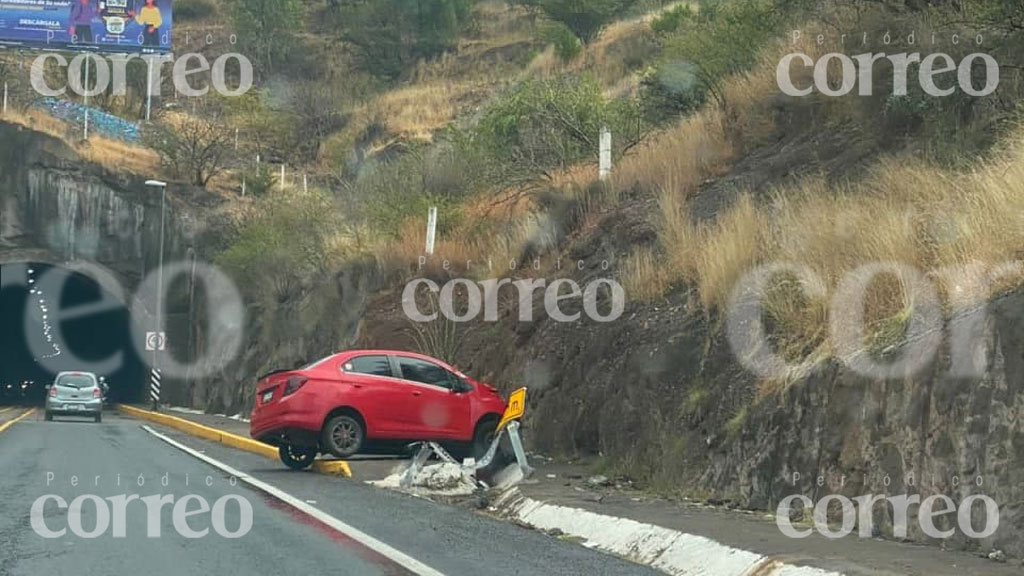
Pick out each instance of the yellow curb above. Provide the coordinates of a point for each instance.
(6, 410)
(233, 440)
(339, 467)
(6, 425)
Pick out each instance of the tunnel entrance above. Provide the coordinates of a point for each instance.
(54, 319)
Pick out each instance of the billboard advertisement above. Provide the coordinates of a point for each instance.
(139, 26)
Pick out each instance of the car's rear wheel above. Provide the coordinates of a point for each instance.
(295, 457)
(99, 418)
(343, 436)
(48, 417)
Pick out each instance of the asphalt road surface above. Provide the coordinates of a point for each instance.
(347, 528)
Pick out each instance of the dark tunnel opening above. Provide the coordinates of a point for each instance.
(54, 319)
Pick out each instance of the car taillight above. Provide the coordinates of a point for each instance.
(53, 392)
(293, 384)
(95, 392)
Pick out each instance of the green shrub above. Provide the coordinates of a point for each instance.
(186, 10)
(280, 243)
(542, 125)
(671, 90)
(388, 194)
(723, 39)
(585, 18)
(266, 30)
(672, 19)
(567, 45)
(390, 35)
(260, 180)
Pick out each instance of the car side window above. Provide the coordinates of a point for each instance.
(426, 373)
(372, 365)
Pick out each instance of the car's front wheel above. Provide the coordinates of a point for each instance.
(295, 457)
(343, 436)
(483, 437)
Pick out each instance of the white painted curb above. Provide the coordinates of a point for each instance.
(669, 551)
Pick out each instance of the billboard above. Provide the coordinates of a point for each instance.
(137, 26)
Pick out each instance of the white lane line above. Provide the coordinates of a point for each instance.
(401, 558)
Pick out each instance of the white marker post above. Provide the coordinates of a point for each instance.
(305, 185)
(5, 98)
(605, 161)
(282, 177)
(85, 132)
(149, 86)
(431, 228)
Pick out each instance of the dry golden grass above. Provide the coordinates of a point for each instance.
(679, 159)
(904, 211)
(728, 250)
(439, 88)
(646, 278)
(419, 110)
(483, 252)
(114, 155)
(608, 58)
(120, 156)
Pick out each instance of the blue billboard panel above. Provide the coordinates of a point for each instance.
(140, 26)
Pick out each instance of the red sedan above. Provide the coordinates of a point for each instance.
(372, 401)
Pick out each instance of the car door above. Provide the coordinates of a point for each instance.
(375, 391)
(435, 409)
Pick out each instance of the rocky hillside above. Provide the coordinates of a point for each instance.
(493, 115)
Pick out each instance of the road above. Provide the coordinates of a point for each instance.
(357, 529)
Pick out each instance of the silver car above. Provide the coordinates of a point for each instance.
(75, 394)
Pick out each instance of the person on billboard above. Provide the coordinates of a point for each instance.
(150, 19)
(83, 12)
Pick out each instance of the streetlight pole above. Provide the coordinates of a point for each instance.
(155, 378)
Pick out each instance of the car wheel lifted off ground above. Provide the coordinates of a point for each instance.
(343, 436)
(483, 436)
(295, 457)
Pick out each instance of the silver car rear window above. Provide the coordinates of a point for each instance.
(75, 381)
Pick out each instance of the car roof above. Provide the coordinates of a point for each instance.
(371, 352)
(346, 354)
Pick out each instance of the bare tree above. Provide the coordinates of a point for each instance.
(318, 108)
(195, 146)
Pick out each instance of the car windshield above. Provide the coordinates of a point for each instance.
(76, 381)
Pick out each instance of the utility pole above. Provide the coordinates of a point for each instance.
(155, 383)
